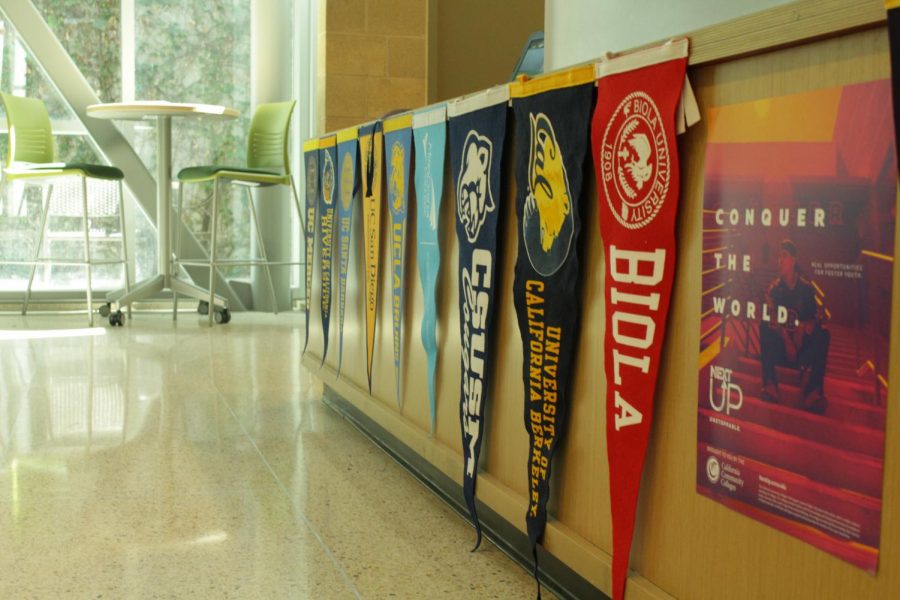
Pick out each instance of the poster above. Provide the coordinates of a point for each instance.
(348, 187)
(398, 147)
(430, 133)
(798, 243)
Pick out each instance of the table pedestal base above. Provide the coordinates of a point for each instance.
(161, 283)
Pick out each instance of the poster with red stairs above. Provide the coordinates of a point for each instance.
(799, 214)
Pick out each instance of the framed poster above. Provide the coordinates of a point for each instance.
(798, 243)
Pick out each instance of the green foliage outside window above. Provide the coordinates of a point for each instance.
(185, 50)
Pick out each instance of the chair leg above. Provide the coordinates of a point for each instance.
(302, 229)
(214, 216)
(45, 204)
(261, 247)
(126, 265)
(87, 251)
(177, 227)
(297, 205)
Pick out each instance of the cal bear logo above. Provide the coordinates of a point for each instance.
(397, 184)
(473, 188)
(547, 222)
(328, 180)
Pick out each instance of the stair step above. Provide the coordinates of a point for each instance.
(819, 462)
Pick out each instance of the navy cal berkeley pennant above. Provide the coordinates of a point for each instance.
(311, 164)
(347, 190)
(477, 131)
(552, 115)
(327, 172)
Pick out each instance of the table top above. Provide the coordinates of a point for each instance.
(144, 109)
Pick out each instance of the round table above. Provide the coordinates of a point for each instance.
(162, 112)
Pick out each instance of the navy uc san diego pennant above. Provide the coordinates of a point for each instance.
(311, 171)
(552, 114)
(477, 132)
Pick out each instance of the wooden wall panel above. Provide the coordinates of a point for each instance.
(685, 545)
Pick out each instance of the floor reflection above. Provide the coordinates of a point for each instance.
(175, 460)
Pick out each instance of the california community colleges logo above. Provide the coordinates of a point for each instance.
(635, 161)
(473, 189)
(713, 469)
(547, 224)
(328, 180)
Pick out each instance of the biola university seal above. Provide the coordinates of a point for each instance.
(635, 168)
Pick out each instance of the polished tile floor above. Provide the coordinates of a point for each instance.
(171, 460)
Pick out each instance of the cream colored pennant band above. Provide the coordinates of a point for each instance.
(490, 97)
(642, 58)
(431, 116)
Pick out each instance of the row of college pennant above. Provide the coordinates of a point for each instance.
(628, 109)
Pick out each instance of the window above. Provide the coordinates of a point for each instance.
(188, 50)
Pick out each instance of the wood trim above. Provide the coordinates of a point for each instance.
(793, 23)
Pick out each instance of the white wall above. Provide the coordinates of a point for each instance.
(576, 31)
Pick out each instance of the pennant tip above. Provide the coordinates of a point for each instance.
(477, 540)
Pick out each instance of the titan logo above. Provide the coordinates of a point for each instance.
(473, 189)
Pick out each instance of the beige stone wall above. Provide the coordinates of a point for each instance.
(372, 59)
(476, 43)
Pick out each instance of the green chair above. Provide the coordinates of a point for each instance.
(32, 159)
(268, 164)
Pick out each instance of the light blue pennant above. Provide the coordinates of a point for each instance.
(430, 132)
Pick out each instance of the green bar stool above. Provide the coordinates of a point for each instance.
(32, 159)
(268, 164)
